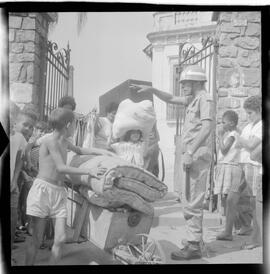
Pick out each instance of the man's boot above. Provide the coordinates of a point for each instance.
(190, 251)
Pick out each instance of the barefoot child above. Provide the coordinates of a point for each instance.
(132, 147)
(48, 196)
(229, 175)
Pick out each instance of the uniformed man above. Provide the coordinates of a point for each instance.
(196, 153)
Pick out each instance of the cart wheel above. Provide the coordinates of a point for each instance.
(149, 251)
(134, 218)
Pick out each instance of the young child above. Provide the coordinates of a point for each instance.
(250, 138)
(48, 196)
(132, 147)
(21, 124)
(256, 236)
(229, 176)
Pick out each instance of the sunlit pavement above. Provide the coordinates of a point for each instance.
(168, 229)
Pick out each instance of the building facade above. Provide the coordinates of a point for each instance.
(237, 70)
(171, 29)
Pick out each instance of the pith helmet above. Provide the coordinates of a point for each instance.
(193, 73)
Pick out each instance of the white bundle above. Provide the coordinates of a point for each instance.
(134, 116)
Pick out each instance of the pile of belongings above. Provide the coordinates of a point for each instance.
(121, 184)
(134, 116)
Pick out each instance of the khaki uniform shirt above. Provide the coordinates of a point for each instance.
(201, 108)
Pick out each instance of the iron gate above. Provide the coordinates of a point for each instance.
(56, 77)
(206, 57)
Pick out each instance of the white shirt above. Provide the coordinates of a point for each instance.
(248, 132)
(17, 143)
(131, 152)
(233, 155)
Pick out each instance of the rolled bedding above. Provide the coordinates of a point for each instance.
(122, 183)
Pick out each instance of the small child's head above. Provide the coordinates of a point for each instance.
(133, 136)
(62, 119)
(229, 120)
(67, 102)
(24, 124)
(253, 108)
(41, 127)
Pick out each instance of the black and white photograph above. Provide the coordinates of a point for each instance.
(135, 137)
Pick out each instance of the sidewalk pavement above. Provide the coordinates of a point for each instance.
(168, 229)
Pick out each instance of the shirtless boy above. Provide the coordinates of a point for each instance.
(48, 196)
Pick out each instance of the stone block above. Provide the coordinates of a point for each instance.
(253, 60)
(225, 62)
(21, 57)
(250, 16)
(14, 22)
(14, 71)
(243, 52)
(23, 74)
(238, 92)
(16, 47)
(11, 35)
(254, 91)
(29, 23)
(225, 16)
(233, 35)
(229, 77)
(229, 28)
(25, 35)
(30, 47)
(31, 72)
(252, 77)
(225, 40)
(21, 92)
(230, 103)
(230, 51)
(247, 42)
(253, 29)
(223, 92)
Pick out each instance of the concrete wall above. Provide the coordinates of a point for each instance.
(239, 61)
(27, 51)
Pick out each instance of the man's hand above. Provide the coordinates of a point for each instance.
(141, 88)
(187, 161)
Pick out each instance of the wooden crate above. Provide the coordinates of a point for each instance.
(107, 229)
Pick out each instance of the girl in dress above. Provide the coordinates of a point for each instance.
(132, 147)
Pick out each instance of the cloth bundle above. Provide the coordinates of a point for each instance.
(133, 116)
(122, 184)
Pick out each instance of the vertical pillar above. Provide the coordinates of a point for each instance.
(28, 33)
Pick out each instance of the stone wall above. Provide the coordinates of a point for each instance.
(27, 51)
(239, 61)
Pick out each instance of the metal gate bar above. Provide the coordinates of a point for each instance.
(57, 76)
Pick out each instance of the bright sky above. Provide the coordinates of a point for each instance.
(107, 52)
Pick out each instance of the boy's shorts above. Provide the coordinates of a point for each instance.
(46, 200)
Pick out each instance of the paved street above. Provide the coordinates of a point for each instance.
(168, 229)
